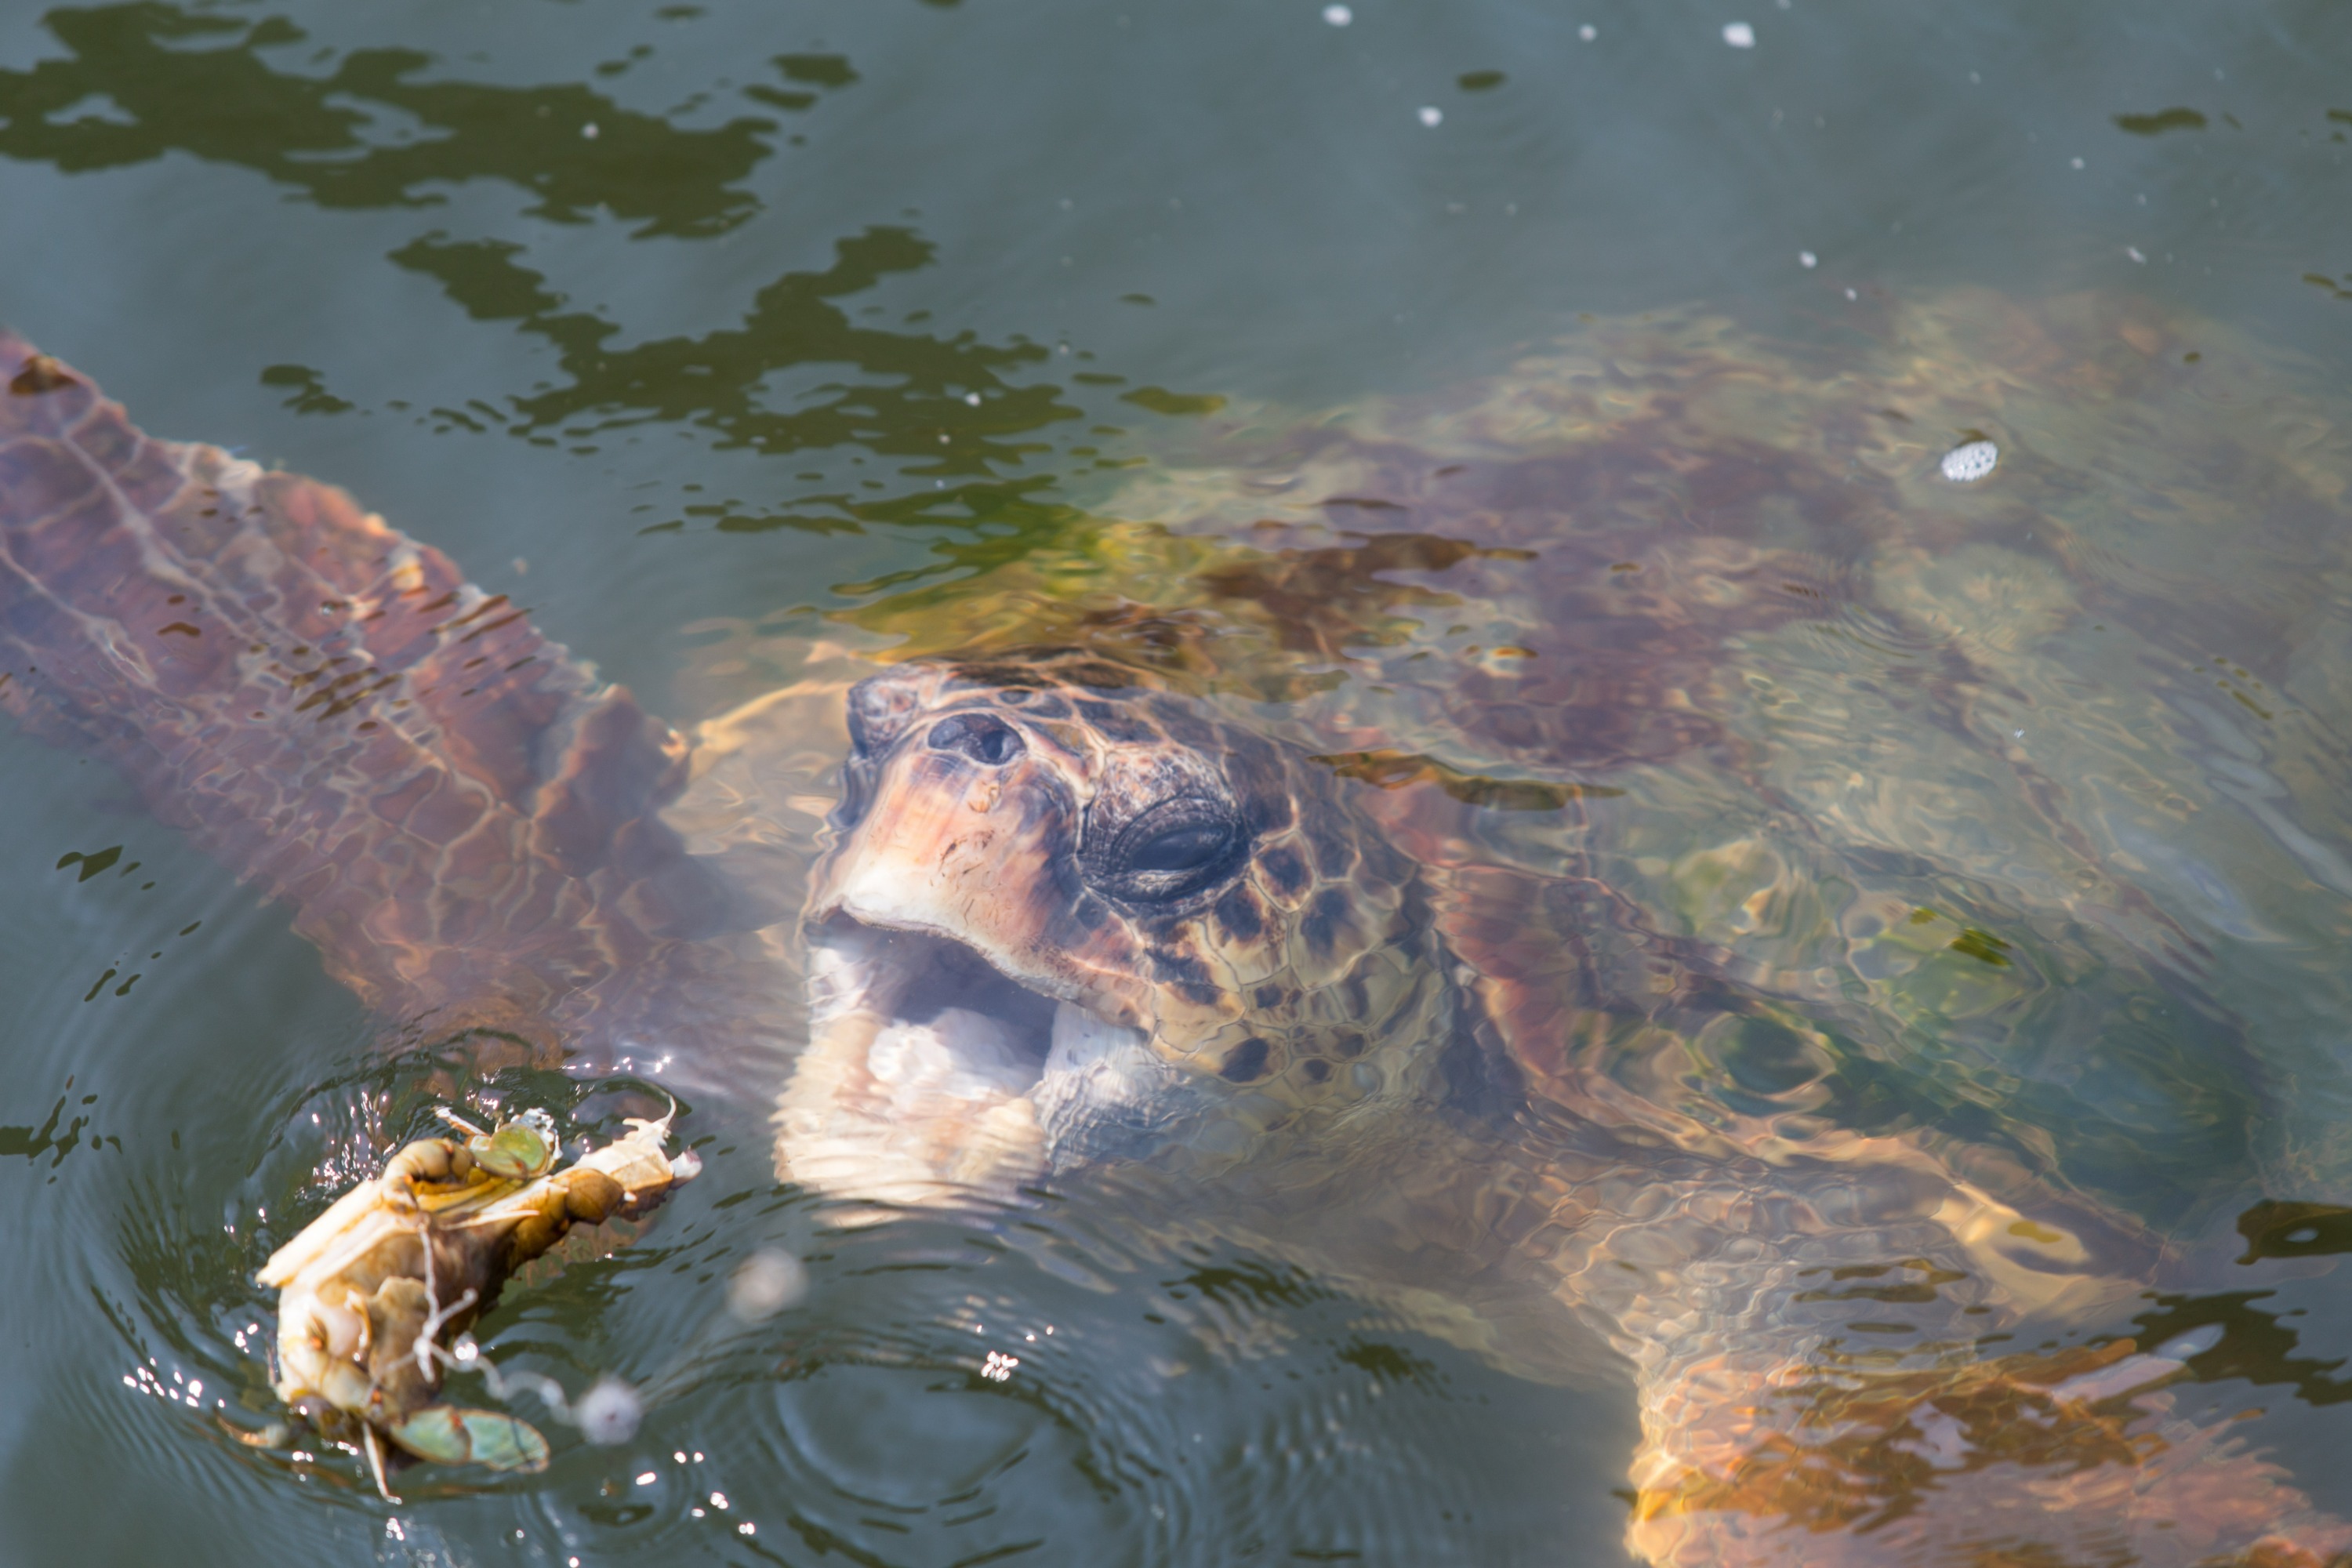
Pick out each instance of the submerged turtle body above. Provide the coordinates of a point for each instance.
(1327, 1077)
(1571, 843)
(1955, 769)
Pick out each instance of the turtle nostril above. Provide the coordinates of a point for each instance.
(978, 736)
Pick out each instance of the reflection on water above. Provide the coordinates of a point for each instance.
(943, 408)
(1769, 783)
(144, 79)
(797, 374)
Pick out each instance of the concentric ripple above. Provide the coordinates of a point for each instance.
(1062, 1389)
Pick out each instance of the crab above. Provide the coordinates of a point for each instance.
(1692, 836)
(368, 1289)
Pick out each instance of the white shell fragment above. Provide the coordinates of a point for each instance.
(1967, 463)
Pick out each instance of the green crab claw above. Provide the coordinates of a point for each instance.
(450, 1434)
(519, 1150)
(515, 1152)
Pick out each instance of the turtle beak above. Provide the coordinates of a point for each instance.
(933, 1078)
(970, 840)
(929, 1008)
(915, 1086)
(942, 998)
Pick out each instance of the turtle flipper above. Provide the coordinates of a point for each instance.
(2077, 1456)
(458, 808)
(1818, 1348)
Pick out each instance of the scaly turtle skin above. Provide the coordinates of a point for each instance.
(1193, 909)
(1397, 981)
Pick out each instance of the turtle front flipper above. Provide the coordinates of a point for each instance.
(1822, 1361)
(463, 814)
(2076, 1457)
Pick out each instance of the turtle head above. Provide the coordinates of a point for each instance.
(1069, 914)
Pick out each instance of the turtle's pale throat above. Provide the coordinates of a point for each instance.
(941, 1014)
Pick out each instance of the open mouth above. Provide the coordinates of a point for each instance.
(931, 1016)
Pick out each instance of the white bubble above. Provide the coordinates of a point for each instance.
(1808, 261)
(2078, 162)
(609, 1412)
(1739, 35)
(1966, 463)
(1432, 115)
(1338, 16)
(765, 1284)
(1588, 32)
(589, 130)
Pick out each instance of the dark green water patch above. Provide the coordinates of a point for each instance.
(2274, 1228)
(2255, 1345)
(2159, 123)
(943, 408)
(59, 1134)
(148, 78)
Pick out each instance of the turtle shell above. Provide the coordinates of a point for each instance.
(1779, 788)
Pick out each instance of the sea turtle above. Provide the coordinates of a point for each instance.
(1633, 842)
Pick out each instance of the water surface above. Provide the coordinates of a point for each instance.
(715, 330)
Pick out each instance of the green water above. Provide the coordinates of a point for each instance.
(839, 306)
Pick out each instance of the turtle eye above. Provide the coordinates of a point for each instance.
(1171, 851)
(978, 736)
(1186, 848)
